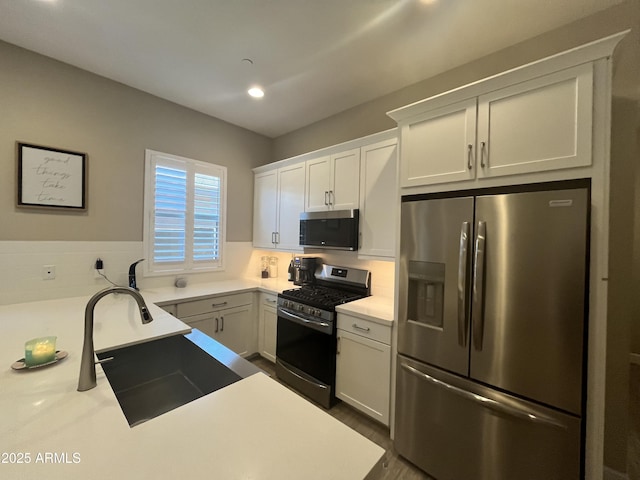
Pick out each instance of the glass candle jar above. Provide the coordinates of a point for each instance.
(39, 351)
(264, 267)
(273, 267)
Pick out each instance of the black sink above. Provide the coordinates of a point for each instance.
(152, 378)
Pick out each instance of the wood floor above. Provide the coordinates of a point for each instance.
(393, 467)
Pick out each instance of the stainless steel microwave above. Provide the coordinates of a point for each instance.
(336, 229)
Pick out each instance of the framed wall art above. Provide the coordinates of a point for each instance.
(51, 178)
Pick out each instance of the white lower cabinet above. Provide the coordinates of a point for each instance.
(169, 308)
(228, 319)
(235, 329)
(363, 366)
(268, 326)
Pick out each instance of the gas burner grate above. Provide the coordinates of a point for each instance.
(323, 297)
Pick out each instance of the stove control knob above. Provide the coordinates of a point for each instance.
(317, 312)
(301, 308)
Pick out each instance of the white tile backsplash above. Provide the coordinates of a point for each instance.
(21, 266)
(382, 272)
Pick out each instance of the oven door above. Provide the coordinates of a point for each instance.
(306, 355)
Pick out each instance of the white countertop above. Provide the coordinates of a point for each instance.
(254, 428)
(375, 309)
(197, 290)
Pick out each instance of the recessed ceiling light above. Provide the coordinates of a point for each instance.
(256, 92)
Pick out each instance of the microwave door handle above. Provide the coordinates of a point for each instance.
(478, 286)
(463, 261)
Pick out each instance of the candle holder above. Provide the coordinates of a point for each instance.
(39, 351)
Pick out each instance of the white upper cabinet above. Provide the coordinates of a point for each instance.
(332, 182)
(542, 124)
(265, 188)
(290, 205)
(345, 180)
(439, 145)
(494, 128)
(278, 202)
(378, 199)
(318, 181)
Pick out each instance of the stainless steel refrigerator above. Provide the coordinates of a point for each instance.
(491, 334)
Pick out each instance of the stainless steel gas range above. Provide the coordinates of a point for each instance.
(306, 342)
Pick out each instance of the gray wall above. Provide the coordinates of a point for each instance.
(50, 103)
(624, 277)
(371, 117)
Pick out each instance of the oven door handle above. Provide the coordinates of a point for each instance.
(302, 320)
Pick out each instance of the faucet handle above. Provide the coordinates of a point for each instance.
(104, 360)
(132, 274)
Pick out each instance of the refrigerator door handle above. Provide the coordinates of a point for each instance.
(478, 286)
(486, 402)
(463, 261)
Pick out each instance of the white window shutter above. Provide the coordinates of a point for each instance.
(170, 215)
(185, 204)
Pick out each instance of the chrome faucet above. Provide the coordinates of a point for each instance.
(87, 378)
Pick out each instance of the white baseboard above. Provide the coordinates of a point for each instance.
(611, 474)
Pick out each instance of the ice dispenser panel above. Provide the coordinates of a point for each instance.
(426, 293)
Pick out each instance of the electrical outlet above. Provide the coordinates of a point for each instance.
(98, 269)
(48, 272)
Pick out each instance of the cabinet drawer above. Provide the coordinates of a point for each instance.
(269, 300)
(365, 328)
(210, 304)
(171, 308)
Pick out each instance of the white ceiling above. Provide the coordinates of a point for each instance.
(313, 58)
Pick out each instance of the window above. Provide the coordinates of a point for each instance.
(184, 224)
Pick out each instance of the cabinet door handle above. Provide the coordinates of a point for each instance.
(358, 327)
(331, 194)
(470, 156)
(216, 330)
(326, 201)
(222, 323)
(338, 346)
(482, 153)
(269, 300)
(222, 304)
